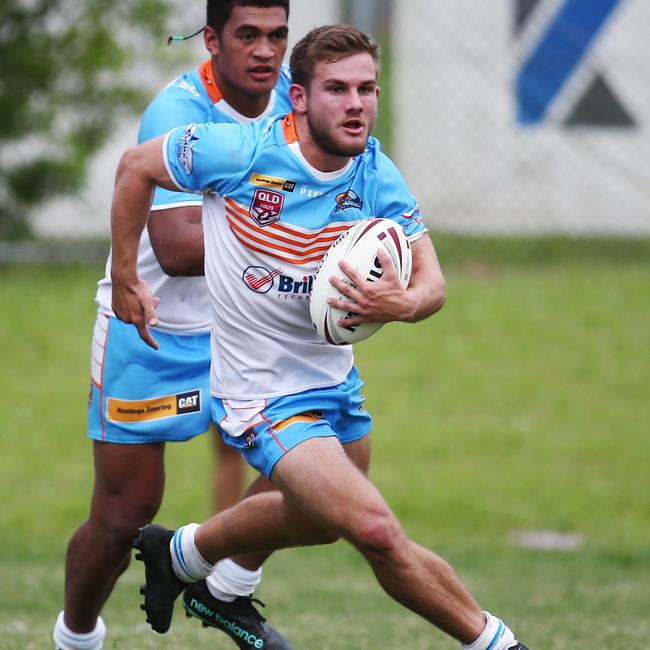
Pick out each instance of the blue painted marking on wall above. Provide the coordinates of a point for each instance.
(560, 50)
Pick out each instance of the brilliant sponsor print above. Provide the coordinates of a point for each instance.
(262, 280)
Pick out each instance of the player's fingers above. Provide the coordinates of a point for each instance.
(149, 310)
(387, 266)
(347, 289)
(348, 322)
(145, 335)
(343, 305)
(351, 272)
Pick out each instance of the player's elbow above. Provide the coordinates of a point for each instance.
(129, 167)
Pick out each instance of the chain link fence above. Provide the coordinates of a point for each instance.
(525, 117)
(507, 118)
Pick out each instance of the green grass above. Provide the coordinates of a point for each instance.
(522, 405)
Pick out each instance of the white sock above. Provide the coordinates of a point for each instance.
(496, 636)
(66, 639)
(229, 580)
(189, 565)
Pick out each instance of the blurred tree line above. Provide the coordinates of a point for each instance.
(63, 85)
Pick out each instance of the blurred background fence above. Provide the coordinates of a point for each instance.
(508, 118)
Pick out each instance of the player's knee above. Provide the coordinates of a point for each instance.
(378, 534)
(121, 523)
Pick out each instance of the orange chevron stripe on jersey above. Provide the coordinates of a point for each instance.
(281, 242)
(278, 227)
(279, 252)
(209, 82)
(289, 127)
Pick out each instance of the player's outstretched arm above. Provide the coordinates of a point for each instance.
(140, 170)
(384, 300)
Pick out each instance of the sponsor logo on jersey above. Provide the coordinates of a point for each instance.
(155, 408)
(264, 180)
(310, 193)
(347, 200)
(184, 148)
(261, 280)
(266, 207)
(184, 85)
(291, 289)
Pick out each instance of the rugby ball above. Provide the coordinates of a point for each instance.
(358, 245)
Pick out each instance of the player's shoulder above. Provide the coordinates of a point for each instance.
(374, 158)
(182, 101)
(186, 88)
(258, 134)
(284, 78)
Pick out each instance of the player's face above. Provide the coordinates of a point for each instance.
(342, 104)
(248, 54)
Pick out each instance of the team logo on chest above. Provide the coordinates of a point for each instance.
(266, 207)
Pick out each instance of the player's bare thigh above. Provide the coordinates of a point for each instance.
(321, 479)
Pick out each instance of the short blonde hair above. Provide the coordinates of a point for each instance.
(328, 43)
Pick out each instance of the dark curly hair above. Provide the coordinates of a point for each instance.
(218, 11)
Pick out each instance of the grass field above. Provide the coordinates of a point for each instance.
(524, 405)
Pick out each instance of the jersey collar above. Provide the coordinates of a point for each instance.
(209, 83)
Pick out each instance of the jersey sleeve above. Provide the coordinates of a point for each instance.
(171, 108)
(209, 157)
(396, 202)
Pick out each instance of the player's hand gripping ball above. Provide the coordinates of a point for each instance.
(358, 245)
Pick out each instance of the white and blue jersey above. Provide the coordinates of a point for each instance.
(193, 97)
(268, 218)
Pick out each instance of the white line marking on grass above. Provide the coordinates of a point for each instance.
(547, 540)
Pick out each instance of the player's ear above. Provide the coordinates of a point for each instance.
(298, 97)
(211, 40)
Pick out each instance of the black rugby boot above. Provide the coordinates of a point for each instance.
(161, 587)
(238, 619)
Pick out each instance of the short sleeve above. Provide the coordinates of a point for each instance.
(209, 157)
(396, 201)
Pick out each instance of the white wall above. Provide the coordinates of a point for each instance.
(473, 167)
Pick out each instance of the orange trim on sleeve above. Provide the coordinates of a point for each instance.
(289, 126)
(209, 82)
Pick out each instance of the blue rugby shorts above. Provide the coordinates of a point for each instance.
(140, 395)
(267, 429)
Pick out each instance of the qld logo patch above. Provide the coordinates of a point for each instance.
(266, 207)
(348, 200)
